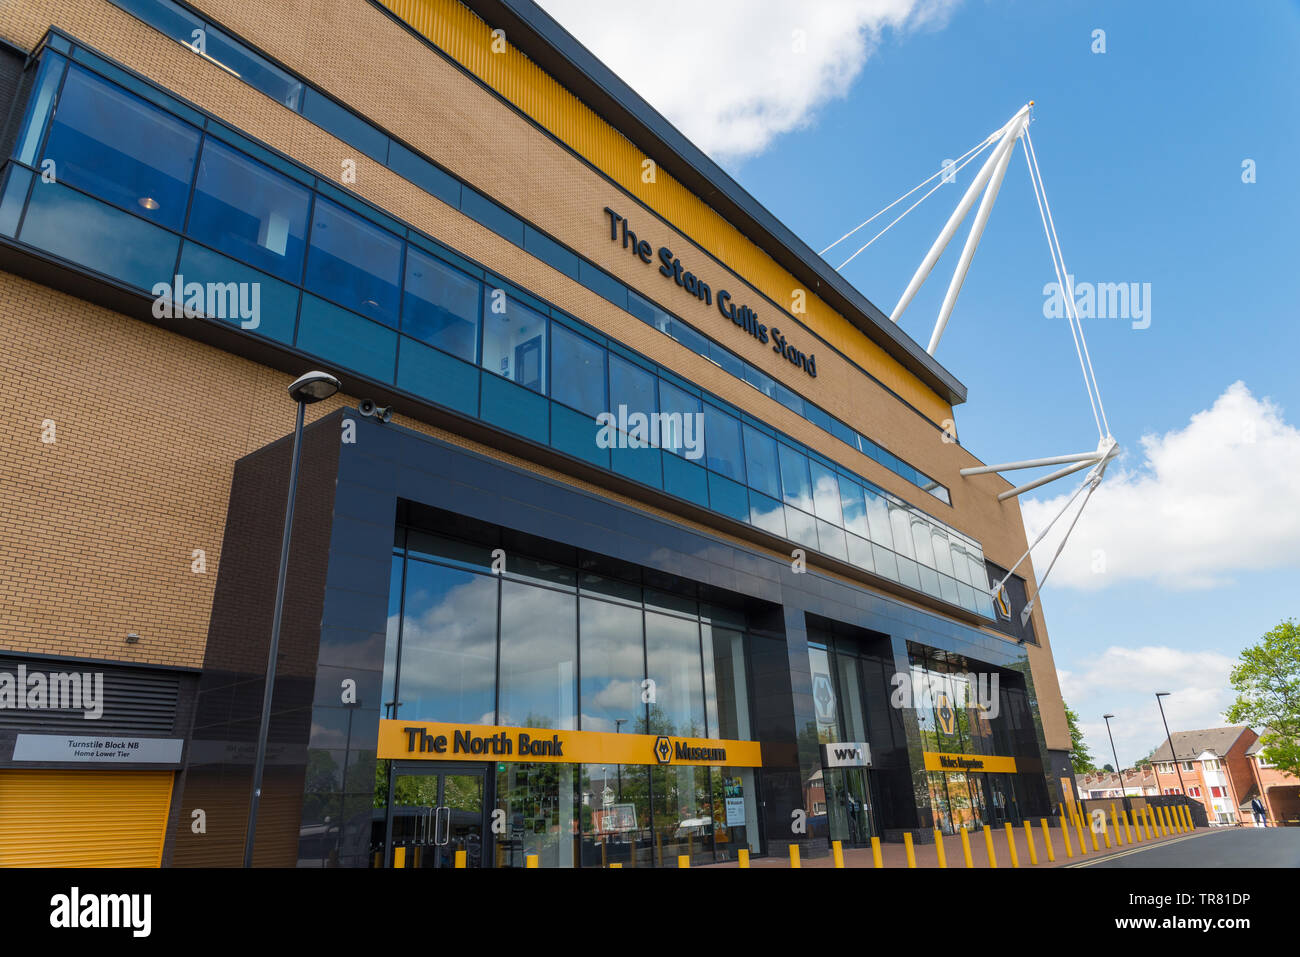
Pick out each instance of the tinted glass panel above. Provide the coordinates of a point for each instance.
(853, 506)
(673, 656)
(354, 262)
(109, 143)
(261, 304)
(826, 494)
(245, 209)
(767, 514)
(85, 231)
(253, 69)
(761, 465)
(722, 444)
(39, 104)
(796, 485)
(686, 408)
(440, 305)
(613, 667)
(514, 341)
(344, 124)
(577, 371)
(347, 339)
(539, 643)
(632, 386)
(728, 694)
(449, 637)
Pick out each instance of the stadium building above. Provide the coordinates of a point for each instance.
(635, 531)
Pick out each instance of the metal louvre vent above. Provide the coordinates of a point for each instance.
(134, 701)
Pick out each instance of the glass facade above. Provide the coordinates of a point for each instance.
(567, 644)
(946, 692)
(839, 800)
(260, 73)
(367, 294)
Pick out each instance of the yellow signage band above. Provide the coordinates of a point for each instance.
(944, 761)
(441, 741)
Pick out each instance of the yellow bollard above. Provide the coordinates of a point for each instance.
(1146, 821)
(965, 847)
(1029, 839)
(1065, 833)
(399, 857)
(1114, 820)
(938, 848)
(1047, 840)
(875, 853)
(988, 846)
(1092, 833)
(1083, 844)
(837, 850)
(742, 857)
(683, 860)
(530, 860)
(618, 864)
(1157, 812)
(1128, 835)
(460, 859)
(1011, 844)
(1187, 819)
(1105, 830)
(911, 852)
(794, 856)
(1164, 816)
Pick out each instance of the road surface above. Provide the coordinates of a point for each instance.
(1226, 847)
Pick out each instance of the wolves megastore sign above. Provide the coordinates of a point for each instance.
(435, 741)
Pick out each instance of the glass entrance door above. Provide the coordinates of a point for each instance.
(848, 805)
(437, 812)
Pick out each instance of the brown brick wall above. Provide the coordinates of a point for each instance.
(431, 104)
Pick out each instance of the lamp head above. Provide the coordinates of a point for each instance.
(313, 387)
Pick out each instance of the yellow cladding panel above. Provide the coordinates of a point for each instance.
(439, 741)
(457, 31)
(83, 818)
(943, 761)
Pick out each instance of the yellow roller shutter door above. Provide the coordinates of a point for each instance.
(83, 818)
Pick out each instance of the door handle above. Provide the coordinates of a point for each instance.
(442, 826)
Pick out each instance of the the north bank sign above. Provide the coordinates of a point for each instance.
(440, 741)
(741, 315)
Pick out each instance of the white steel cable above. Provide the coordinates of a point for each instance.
(974, 149)
(955, 169)
(1086, 355)
(1066, 293)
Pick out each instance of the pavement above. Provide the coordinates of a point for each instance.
(1192, 849)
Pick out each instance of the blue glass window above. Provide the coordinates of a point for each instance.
(249, 211)
(354, 262)
(801, 527)
(114, 145)
(344, 124)
(722, 444)
(631, 386)
(346, 339)
(796, 486)
(602, 284)
(688, 337)
(254, 70)
(277, 302)
(826, 494)
(577, 371)
(501, 221)
(553, 254)
(647, 312)
(878, 519)
(855, 512)
(165, 17)
(440, 305)
(760, 462)
(424, 174)
(729, 362)
(761, 381)
(686, 408)
(767, 514)
(514, 340)
(789, 399)
(830, 539)
(92, 234)
(15, 195)
(438, 377)
(39, 105)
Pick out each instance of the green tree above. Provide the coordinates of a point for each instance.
(1267, 682)
(1080, 756)
(1145, 762)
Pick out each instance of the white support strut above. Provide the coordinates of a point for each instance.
(1005, 149)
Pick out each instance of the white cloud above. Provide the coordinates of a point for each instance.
(1207, 501)
(726, 72)
(1123, 681)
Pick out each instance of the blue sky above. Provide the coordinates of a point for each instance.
(1141, 149)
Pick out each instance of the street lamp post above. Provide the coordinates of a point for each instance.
(304, 390)
(1119, 772)
(1170, 737)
